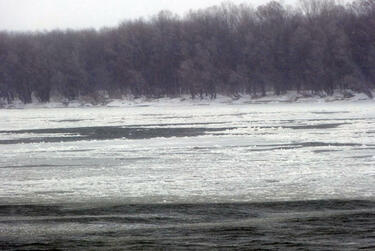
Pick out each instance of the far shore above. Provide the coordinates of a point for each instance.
(241, 99)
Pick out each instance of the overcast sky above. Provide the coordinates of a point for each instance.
(32, 15)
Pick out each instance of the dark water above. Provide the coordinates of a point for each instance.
(149, 131)
(105, 133)
(304, 225)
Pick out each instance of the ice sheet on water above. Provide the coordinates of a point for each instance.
(242, 153)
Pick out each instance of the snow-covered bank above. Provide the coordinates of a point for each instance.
(128, 101)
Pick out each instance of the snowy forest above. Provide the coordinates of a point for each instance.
(315, 47)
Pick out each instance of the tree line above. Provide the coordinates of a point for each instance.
(317, 46)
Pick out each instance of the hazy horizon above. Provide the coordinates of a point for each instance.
(46, 15)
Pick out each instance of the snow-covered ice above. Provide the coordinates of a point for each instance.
(188, 153)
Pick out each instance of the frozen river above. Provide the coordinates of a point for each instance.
(93, 171)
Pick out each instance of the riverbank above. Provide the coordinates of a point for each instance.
(131, 101)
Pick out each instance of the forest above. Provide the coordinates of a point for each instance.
(317, 46)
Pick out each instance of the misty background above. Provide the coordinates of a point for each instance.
(39, 15)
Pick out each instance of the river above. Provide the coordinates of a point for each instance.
(264, 176)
